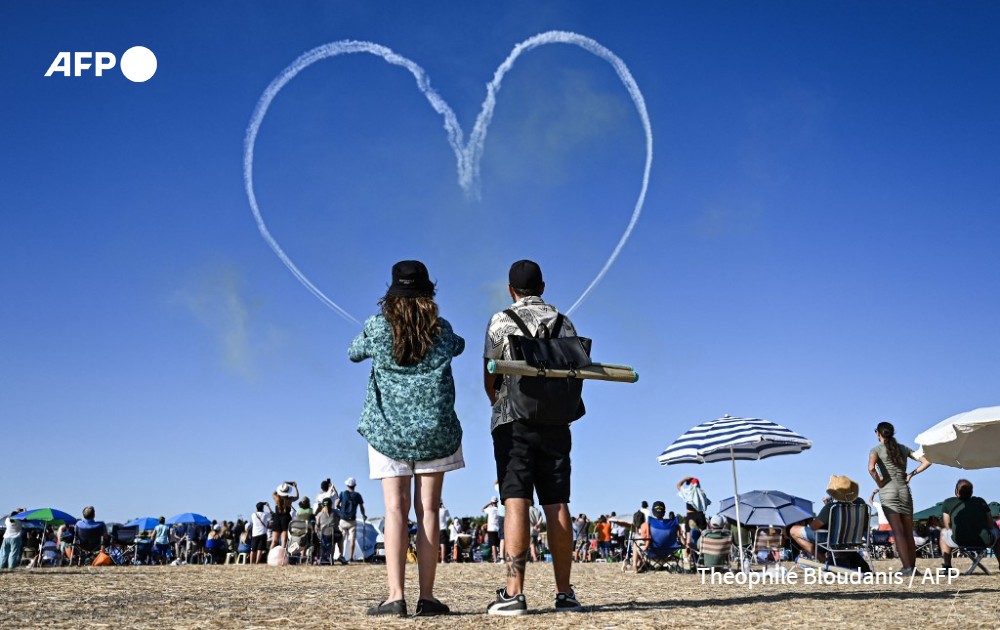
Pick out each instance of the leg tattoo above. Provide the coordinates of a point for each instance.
(516, 564)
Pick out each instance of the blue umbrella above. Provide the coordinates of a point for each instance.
(730, 439)
(761, 508)
(145, 523)
(188, 518)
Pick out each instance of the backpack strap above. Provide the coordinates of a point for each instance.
(556, 326)
(520, 322)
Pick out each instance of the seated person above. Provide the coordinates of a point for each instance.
(94, 532)
(841, 489)
(658, 536)
(968, 522)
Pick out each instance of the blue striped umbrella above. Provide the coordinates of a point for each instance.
(730, 439)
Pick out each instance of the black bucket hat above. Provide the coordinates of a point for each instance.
(410, 279)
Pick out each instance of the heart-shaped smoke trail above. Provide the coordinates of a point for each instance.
(467, 155)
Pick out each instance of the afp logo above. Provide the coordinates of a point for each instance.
(138, 64)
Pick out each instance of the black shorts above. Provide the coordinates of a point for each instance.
(493, 538)
(280, 522)
(258, 543)
(444, 537)
(533, 458)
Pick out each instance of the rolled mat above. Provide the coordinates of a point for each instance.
(594, 371)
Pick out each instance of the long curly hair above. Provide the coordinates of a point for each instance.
(888, 432)
(414, 322)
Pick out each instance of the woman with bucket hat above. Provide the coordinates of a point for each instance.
(410, 423)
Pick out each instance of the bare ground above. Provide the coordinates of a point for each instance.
(325, 597)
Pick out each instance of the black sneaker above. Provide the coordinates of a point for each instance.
(343, 561)
(508, 606)
(567, 602)
(389, 609)
(430, 607)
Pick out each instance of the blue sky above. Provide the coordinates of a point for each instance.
(817, 246)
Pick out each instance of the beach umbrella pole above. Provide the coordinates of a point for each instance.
(736, 491)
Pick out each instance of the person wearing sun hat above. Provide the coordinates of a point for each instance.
(410, 423)
(841, 489)
(282, 516)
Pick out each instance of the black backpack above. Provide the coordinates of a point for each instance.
(539, 399)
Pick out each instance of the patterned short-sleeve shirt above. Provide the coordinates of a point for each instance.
(534, 312)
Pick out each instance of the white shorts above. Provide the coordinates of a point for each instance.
(948, 540)
(383, 467)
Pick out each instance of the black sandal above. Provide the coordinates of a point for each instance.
(389, 609)
(430, 607)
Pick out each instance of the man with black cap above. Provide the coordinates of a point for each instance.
(530, 458)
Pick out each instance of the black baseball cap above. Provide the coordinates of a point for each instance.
(525, 274)
(659, 509)
(410, 279)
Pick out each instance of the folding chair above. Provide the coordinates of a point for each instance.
(123, 547)
(768, 544)
(662, 546)
(715, 549)
(881, 543)
(847, 532)
(87, 543)
(299, 540)
(977, 555)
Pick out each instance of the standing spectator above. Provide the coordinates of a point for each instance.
(282, 516)
(603, 529)
(350, 501)
(454, 532)
(493, 528)
(887, 466)
(326, 491)
(581, 533)
(616, 533)
(161, 540)
(535, 523)
(260, 521)
(13, 542)
(644, 508)
(444, 517)
(414, 436)
(531, 458)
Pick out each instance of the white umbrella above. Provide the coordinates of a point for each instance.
(729, 438)
(967, 440)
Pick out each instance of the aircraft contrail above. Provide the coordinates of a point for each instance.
(467, 155)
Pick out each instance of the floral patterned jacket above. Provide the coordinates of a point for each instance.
(409, 411)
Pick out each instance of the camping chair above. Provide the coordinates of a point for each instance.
(87, 543)
(299, 540)
(881, 543)
(122, 549)
(976, 554)
(327, 536)
(662, 546)
(768, 544)
(847, 532)
(715, 549)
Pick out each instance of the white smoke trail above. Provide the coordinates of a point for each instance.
(468, 155)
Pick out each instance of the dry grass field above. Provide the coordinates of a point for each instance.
(337, 597)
